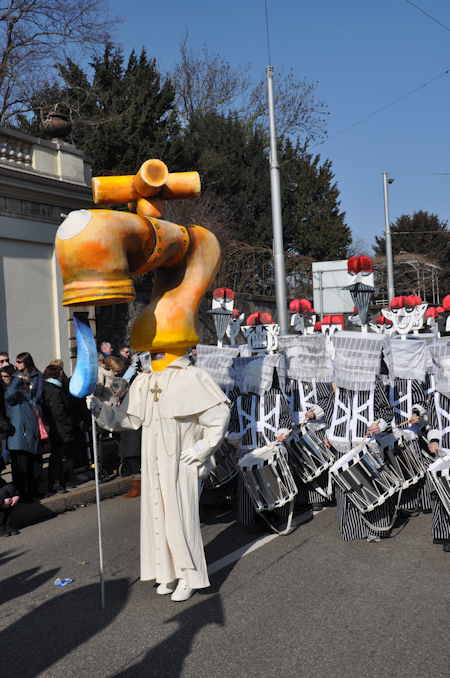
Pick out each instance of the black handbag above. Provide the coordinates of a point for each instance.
(6, 428)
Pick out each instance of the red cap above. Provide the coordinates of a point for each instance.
(397, 302)
(446, 303)
(413, 300)
(259, 319)
(301, 306)
(223, 293)
(359, 264)
(235, 313)
(317, 326)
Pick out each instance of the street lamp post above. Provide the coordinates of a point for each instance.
(278, 246)
(387, 227)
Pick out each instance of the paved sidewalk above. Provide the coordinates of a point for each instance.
(83, 494)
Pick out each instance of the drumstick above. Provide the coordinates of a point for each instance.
(409, 421)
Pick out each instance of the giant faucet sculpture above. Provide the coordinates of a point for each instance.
(99, 252)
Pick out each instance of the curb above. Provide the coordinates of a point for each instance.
(29, 514)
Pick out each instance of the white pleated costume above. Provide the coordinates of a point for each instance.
(179, 409)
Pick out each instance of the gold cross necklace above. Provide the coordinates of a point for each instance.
(156, 391)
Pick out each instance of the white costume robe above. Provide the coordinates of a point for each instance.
(179, 409)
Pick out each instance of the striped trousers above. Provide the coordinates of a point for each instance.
(417, 497)
(247, 515)
(440, 521)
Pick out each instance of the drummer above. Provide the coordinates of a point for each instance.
(438, 436)
(260, 416)
(358, 408)
(309, 373)
(408, 394)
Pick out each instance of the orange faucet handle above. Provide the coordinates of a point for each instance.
(152, 179)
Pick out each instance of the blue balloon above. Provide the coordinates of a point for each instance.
(84, 378)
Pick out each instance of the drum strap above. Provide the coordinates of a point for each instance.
(375, 528)
(307, 395)
(289, 528)
(431, 385)
(402, 404)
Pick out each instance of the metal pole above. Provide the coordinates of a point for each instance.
(278, 247)
(387, 226)
(99, 516)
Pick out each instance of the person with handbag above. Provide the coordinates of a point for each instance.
(56, 407)
(5, 430)
(32, 378)
(23, 443)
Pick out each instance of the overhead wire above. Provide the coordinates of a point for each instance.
(427, 14)
(394, 101)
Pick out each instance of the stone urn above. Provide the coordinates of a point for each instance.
(57, 125)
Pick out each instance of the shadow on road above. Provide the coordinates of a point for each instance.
(54, 629)
(24, 582)
(6, 556)
(167, 658)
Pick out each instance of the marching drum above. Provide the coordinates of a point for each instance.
(365, 478)
(309, 457)
(439, 472)
(224, 466)
(267, 477)
(408, 462)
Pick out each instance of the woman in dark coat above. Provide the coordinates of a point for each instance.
(58, 417)
(27, 370)
(23, 443)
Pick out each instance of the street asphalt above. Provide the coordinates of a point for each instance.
(302, 606)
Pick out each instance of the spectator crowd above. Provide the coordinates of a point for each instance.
(40, 418)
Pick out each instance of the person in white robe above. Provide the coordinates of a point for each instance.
(184, 416)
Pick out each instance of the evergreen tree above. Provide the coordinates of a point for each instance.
(121, 115)
(314, 225)
(420, 233)
(231, 158)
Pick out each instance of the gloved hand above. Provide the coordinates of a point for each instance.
(189, 457)
(197, 454)
(94, 405)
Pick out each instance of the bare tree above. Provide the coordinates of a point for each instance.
(36, 33)
(207, 83)
(298, 111)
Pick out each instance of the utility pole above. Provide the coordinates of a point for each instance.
(387, 230)
(278, 247)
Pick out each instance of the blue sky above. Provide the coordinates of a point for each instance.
(363, 54)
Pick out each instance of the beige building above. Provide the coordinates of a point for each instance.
(40, 182)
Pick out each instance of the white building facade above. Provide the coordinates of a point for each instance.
(40, 182)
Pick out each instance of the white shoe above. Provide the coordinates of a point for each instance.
(165, 589)
(373, 538)
(182, 592)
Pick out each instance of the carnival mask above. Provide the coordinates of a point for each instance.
(406, 319)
